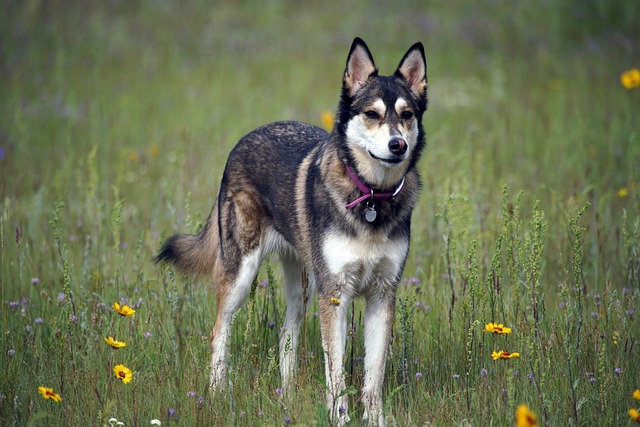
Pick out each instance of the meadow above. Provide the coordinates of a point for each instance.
(115, 122)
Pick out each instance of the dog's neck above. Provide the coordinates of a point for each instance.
(368, 193)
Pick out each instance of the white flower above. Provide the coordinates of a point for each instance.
(156, 422)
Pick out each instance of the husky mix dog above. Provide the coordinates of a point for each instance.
(336, 207)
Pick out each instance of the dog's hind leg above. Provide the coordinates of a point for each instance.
(378, 325)
(297, 294)
(236, 269)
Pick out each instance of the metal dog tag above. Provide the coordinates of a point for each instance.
(370, 213)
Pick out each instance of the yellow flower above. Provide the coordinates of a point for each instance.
(503, 355)
(636, 394)
(623, 192)
(525, 417)
(327, 120)
(154, 150)
(125, 310)
(132, 155)
(634, 414)
(335, 301)
(48, 393)
(123, 373)
(497, 328)
(630, 79)
(113, 343)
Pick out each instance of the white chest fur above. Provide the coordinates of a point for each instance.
(364, 261)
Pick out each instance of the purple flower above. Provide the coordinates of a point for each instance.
(263, 284)
(171, 413)
(2, 153)
(147, 334)
(617, 371)
(530, 376)
(456, 376)
(14, 304)
(341, 410)
(278, 391)
(74, 318)
(516, 374)
(11, 352)
(592, 379)
(260, 413)
(625, 291)
(359, 359)
(629, 312)
(288, 421)
(418, 375)
(39, 321)
(35, 280)
(200, 400)
(271, 325)
(191, 394)
(27, 328)
(61, 297)
(484, 372)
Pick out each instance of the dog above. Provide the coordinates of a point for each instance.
(336, 207)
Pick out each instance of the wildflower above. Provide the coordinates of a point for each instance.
(74, 318)
(35, 280)
(39, 321)
(48, 393)
(123, 373)
(503, 355)
(341, 410)
(623, 192)
(260, 413)
(154, 150)
(11, 352)
(497, 328)
(617, 371)
(630, 79)
(592, 379)
(335, 301)
(288, 421)
(418, 375)
(147, 334)
(156, 422)
(525, 417)
(125, 310)
(636, 394)
(14, 304)
(191, 394)
(278, 391)
(270, 325)
(616, 337)
(634, 414)
(113, 343)
(456, 376)
(171, 413)
(327, 120)
(61, 297)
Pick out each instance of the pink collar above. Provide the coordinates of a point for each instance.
(368, 193)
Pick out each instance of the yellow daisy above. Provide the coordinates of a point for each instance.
(123, 373)
(327, 120)
(630, 79)
(623, 192)
(113, 343)
(503, 355)
(48, 393)
(525, 417)
(634, 414)
(636, 394)
(497, 328)
(125, 310)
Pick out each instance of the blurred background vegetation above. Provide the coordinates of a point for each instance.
(116, 118)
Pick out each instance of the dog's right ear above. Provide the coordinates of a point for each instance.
(360, 67)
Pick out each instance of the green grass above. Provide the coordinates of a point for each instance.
(115, 122)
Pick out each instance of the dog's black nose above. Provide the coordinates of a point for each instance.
(398, 145)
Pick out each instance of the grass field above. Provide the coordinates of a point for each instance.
(115, 121)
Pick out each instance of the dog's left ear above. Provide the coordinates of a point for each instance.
(360, 67)
(413, 69)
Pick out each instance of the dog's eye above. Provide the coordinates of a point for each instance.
(406, 115)
(373, 115)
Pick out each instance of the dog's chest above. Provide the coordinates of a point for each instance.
(363, 262)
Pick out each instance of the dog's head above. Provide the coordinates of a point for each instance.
(380, 117)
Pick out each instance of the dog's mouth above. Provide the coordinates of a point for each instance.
(393, 160)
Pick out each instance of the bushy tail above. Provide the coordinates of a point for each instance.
(194, 254)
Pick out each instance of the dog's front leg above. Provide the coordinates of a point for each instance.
(333, 325)
(378, 325)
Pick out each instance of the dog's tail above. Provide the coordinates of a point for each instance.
(195, 254)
